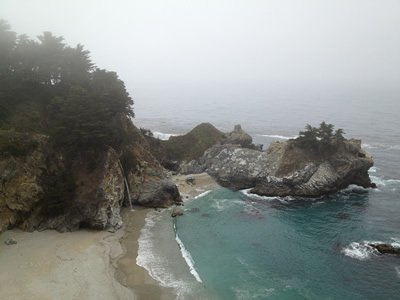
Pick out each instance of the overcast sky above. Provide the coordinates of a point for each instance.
(279, 43)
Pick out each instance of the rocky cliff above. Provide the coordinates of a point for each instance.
(285, 169)
(64, 188)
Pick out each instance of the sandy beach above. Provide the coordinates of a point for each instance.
(53, 265)
(203, 183)
(85, 264)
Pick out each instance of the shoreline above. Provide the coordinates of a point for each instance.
(86, 264)
(128, 272)
(203, 183)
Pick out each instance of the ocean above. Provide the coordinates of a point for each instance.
(234, 245)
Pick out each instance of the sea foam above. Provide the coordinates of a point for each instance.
(188, 258)
(275, 136)
(363, 250)
(247, 193)
(202, 194)
(155, 263)
(163, 136)
(360, 251)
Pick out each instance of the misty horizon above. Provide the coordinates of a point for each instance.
(306, 46)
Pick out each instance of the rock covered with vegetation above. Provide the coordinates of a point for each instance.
(178, 150)
(67, 142)
(312, 165)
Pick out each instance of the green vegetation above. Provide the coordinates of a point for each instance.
(322, 138)
(15, 144)
(49, 87)
(60, 194)
(193, 144)
(146, 132)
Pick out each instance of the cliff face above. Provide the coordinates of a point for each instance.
(44, 187)
(284, 169)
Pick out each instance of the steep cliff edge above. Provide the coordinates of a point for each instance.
(285, 169)
(64, 188)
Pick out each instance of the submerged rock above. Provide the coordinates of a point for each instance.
(176, 213)
(284, 169)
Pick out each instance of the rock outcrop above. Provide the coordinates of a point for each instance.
(238, 136)
(192, 145)
(284, 169)
(46, 187)
(386, 248)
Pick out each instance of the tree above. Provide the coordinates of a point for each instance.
(51, 52)
(76, 66)
(74, 103)
(25, 59)
(7, 45)
(321, 138)
(110, 89)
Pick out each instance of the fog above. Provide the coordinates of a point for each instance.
(277, 44)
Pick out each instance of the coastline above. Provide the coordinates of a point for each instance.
(86, 264)
(128, 272)
(203, 183)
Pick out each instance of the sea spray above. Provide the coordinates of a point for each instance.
(360, 251)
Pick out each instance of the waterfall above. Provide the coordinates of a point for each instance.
(126, 184)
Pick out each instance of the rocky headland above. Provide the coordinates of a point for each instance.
(284, 169)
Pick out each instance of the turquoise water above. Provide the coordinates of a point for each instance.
(246, 247)
(237, 246)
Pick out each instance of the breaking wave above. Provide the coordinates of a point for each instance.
(275, 136)
(360, 251)
(188, 258)
(163, 136)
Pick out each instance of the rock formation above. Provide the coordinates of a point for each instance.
(386, 248)
(65, 188)
(284, 169)
(192, 145)
(238, 136)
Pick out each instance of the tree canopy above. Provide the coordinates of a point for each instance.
(321, 138)
(76, 100)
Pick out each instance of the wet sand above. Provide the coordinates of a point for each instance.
(128, 272)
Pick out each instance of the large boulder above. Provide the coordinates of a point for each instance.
(386, 248)
(238, 136)
(284, 169)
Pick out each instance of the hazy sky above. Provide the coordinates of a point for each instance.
(277, 43)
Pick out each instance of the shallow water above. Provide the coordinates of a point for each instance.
(248, 247)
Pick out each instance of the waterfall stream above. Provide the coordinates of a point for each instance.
(126, 184)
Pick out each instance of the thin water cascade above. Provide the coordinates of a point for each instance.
(126, 184)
